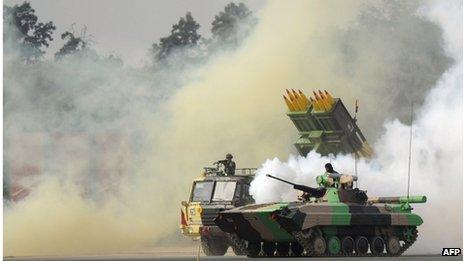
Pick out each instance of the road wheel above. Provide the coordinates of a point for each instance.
(214, 246)
(333, 245)
(347, 245)
(361, 245)
(319, 246)
(269, 248)
(283, 249)
(393, 246)
(377, 245)
(409, 234)
(296, 248)
(253, 248)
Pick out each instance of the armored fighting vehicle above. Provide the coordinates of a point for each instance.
(211, 193)
(336, 220)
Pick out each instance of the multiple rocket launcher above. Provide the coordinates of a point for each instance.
(297, 101)
(324, 125)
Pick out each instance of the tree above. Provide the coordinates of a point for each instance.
(232, 24)
(74, 44)
(184, 34)
(21, 27)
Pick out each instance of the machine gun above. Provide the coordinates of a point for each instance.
(220, 162)
(312, 192)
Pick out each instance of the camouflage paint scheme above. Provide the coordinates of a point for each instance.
(334, 217)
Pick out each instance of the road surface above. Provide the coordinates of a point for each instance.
(190, 252)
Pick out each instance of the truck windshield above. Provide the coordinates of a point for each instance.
(202, 191)
(224, 190)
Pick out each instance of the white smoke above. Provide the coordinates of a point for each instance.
(436, 166)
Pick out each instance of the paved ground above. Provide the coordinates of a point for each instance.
(189, 253)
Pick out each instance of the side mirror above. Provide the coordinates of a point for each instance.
(184, 203)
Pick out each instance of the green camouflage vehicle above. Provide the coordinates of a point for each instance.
(329, 221)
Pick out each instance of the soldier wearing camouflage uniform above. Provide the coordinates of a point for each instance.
(229, 165)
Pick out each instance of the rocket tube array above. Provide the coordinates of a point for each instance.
(297, 101)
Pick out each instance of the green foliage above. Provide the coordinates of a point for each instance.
(183, 34)
(21, 27)
(72, 45)
(232, 24)
(185, 44)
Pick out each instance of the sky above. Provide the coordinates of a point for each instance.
(126, 28)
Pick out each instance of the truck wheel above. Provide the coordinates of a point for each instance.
(214, 246)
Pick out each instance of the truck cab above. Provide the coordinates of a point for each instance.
(211, 193)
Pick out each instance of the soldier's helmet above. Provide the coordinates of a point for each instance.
(229, 156)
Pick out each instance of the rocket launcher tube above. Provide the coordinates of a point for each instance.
(290, 95)
(313, 192)
(331, 99)
(399, 200)
(298, 99)
(289, 104)
(315, 104)
(304, 98)
(320, 101)
(295, 104)
(325, 101)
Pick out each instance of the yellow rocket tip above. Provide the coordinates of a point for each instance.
(290, 106)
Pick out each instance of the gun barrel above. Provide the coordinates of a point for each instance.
(401, 200)
(313, 192)
(288, 182)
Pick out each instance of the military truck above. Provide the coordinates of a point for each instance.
(211, 193)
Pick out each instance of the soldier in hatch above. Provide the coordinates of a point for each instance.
(332, 178)
(229, 165)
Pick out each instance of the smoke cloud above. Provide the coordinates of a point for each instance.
(161, 128)
(436, 165)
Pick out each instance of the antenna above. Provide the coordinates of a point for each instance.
(356, 167)
(355, 154)
(410, 148)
